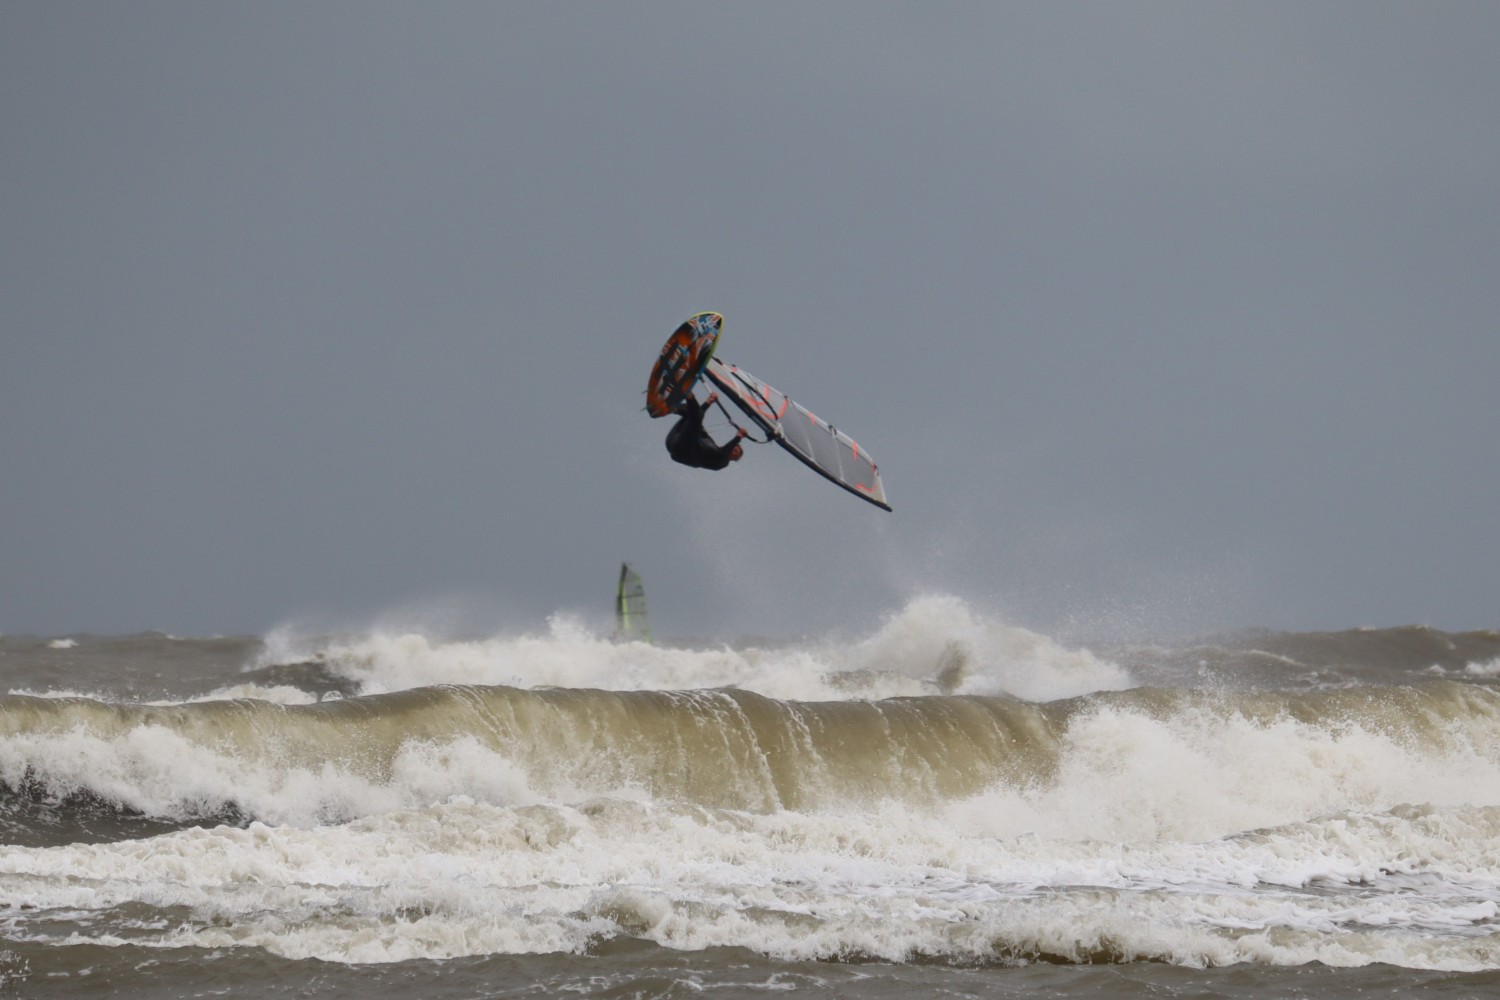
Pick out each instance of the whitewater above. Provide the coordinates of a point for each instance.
(949, 804)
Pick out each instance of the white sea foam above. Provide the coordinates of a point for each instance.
(155, 771)
(1409, 887)
(934, 643)
(56, 694)
(1126, 776)
(277, 694)
(939, 633)
(1490, 669)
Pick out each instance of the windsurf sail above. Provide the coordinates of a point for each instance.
(821, 446)
(631, 624)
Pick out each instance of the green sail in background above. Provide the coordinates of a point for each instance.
(631, 624)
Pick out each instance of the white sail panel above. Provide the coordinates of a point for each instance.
(631, 624)
(824, 448)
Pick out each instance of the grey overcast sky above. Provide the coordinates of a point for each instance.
(1158, 317)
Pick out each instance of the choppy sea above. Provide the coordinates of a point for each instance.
(947, 806)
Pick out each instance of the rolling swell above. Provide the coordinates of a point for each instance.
(1261, 658)
(65, 763)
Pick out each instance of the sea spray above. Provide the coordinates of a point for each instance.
(935, 644)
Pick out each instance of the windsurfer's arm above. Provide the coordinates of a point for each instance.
(718, 456)
(739, 432)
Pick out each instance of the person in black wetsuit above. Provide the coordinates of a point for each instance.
(690, 444)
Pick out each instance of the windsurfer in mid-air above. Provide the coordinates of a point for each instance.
(690, 444)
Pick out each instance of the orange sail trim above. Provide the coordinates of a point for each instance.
(819, 445)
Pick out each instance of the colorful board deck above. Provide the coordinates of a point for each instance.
(681, 363)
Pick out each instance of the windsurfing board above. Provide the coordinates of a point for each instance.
(681, 363)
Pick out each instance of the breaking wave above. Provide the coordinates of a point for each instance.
(1139, 764)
